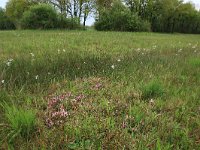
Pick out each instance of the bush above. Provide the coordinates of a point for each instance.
(5, 23)
(120, 18)
(20, 122)
(152, 90)
(41, 16)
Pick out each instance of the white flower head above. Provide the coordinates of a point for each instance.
(194, 46)
(2, 81)
(180, 50)
(36, 77)
(113, 66)
(8, 63)
(32, 54)
(10, 60)
(119, 60)
(64, 50)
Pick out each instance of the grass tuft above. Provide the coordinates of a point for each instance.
(21, 122)
(152, 90)
(195, 62)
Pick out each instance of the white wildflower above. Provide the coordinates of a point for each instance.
(10, 60)
(113, 66)
(36, 77)
(180, 50)
(151, 101)
(32, 54)
(2, 81)
(8, 63)
(119, 60)
(64, 50)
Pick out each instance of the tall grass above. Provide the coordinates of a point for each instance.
(20, 122)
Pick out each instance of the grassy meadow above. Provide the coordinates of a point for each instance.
(99, 90)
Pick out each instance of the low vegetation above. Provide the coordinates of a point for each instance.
(99, 90)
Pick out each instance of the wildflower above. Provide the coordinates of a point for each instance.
(151, 102)
(80, 97)
(113, 66)
(36, 77)
(10, 60)
(64, 50)
(138, 49)
(124, 124)
(154, 47)
(119, 60)
(97, 86)
(3, 81)
(32, 54)
(8, 63)
(179, 50)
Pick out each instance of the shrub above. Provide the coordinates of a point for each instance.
(5, 23)
(120, 18)
(41, 16)
(152, 90)
(20, 122)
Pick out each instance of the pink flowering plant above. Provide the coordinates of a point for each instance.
(57, 113)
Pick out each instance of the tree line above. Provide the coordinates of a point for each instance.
(110, 15)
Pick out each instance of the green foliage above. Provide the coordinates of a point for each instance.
(5, 23)
(41, 16)
(15, 10)
(68, 23)
(174, 16)
(119, 18)
(152, 90)
(21, 122)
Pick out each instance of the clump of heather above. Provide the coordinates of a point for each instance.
(56, 112)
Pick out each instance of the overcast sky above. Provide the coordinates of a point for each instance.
(91, 20)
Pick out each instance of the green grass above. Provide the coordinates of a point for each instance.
(119, 90)
(20, 123)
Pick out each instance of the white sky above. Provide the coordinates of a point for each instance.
(90, 20)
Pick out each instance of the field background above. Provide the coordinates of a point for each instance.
(129, 90)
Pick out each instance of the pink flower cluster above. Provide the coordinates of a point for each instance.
(56, 113)
(53, 101)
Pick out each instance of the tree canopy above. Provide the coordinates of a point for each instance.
(119, 15)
